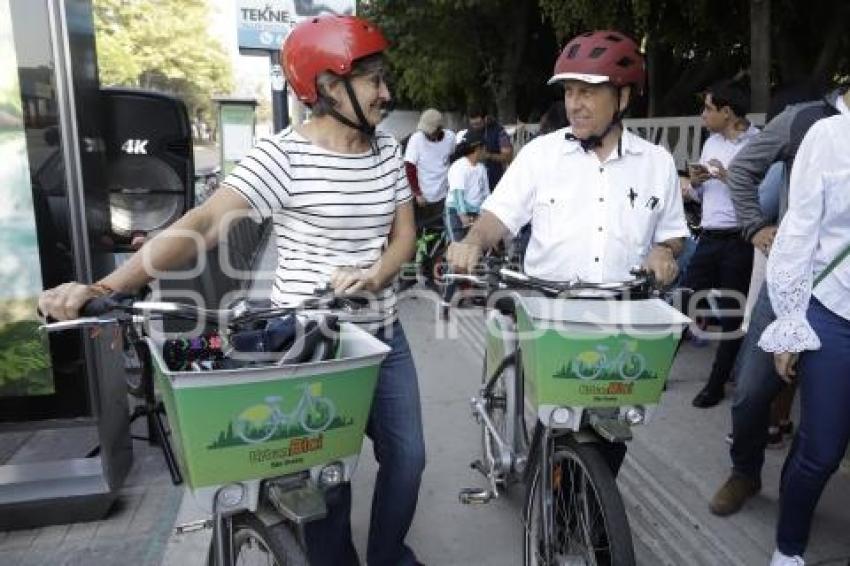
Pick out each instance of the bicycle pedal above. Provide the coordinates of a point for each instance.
(475, 495)
(193, 526)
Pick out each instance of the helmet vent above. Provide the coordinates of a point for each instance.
(625, 62)
(596, 52)
(615, 38)
(571, 54)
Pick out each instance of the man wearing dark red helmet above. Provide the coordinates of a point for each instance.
(338, 196)
(600, 199)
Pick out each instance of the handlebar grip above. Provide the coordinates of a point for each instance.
(102, 305)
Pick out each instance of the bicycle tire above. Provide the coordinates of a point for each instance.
(252, 538)
(637, 362)
(241, 430)
(608, 537)
(330, 411)
(585, 375)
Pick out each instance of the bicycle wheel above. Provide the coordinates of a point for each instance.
(318, 415)
(253, 431)
(588, 523)
(256, 544)
(632, 367)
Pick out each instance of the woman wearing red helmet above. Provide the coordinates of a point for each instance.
(337, 194)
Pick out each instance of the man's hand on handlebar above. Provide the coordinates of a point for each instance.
(463, 257)
(65, 301)
(662, 263)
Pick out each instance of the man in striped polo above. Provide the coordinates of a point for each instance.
(337, 194)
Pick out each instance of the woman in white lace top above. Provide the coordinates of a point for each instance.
(810, 338)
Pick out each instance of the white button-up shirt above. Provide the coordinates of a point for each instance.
(590, 220)
(717, 209)
(815, 230)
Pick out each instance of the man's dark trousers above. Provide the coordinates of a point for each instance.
(723, 260)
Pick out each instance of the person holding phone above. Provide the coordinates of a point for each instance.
(723, 260)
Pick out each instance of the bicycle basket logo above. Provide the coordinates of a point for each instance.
(622, 362)
(269, 420)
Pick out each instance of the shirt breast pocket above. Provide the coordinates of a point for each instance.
(641, 221)
(550, 219)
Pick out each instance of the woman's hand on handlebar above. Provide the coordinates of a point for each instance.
(65, 301)
(348, 280)
(463, 257)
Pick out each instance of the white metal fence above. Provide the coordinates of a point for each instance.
(681, 135)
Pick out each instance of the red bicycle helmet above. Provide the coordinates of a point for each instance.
(600, 57)
(327, 43)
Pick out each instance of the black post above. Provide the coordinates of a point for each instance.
(280, 109)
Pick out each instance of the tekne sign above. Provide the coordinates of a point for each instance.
(264, 24)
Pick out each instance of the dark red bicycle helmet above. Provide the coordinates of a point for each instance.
(602, 57)
(327, 43)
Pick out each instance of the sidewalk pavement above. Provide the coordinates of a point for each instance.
(674, 465)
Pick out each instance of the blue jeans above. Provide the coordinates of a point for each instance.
(756, 385)
(395, 427)
(769, 190)
(824, 430)
(455, 232)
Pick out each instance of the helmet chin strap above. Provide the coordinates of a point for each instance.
(592, 142)
(362, 125)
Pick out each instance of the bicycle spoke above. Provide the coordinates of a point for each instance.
(578, 525)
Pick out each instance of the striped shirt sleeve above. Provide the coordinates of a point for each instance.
(403, 193)
(262, 178)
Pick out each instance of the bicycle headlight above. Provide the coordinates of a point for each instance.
(331, 475)
(635, 415)
(561, 416)
(231, 495)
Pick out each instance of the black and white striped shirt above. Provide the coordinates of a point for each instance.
(329, 209)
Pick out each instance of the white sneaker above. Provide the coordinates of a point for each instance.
(779, 559)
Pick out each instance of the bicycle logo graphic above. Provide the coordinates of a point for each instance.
(259, 423)
(627, 363)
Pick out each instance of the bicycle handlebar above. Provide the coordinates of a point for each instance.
(496, 277)
(126, 308)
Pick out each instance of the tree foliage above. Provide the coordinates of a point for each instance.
(448, 52)
(690, 44)
(161, 45)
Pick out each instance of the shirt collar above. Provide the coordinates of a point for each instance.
(745, 135)
(841, 106)
(629, 143)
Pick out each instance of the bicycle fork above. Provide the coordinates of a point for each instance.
(503, 459)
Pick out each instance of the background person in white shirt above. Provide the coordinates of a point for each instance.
(723, 259)
(600, 199)
(808, 278)
(468, 187)
(426, 161)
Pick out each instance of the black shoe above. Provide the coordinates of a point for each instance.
(708, 397)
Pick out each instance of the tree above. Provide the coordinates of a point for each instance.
(690, 44)
(161, 45)
(448, 53)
